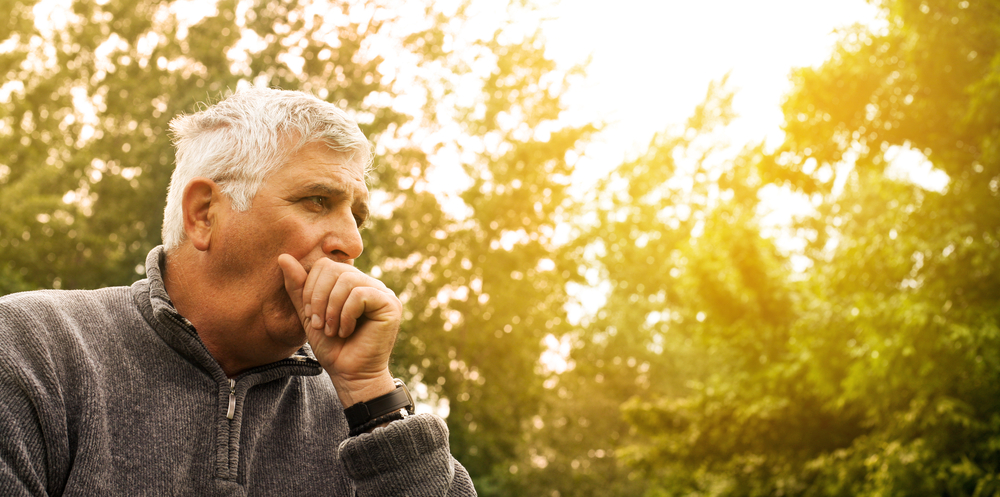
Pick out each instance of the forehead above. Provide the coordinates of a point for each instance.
(315, 164)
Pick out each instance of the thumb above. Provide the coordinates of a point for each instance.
(295, 279)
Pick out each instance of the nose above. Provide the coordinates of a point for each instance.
(342, 240)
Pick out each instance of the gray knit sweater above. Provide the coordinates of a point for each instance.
(111, 392)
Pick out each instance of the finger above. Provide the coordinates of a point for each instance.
(371, 303)
(329, 293)
(350, 279)
(317, 290)
(346, 283)
(307, 290)
(364, 278)
(295, 278)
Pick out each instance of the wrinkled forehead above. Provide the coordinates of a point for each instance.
(317, 163)
(357, 160)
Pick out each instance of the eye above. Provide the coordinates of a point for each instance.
(316, 202)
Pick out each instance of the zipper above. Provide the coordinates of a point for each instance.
(232, 399)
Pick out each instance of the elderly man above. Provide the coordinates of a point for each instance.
(252, 360)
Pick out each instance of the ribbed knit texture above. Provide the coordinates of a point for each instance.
(111, 392)
(399, 445)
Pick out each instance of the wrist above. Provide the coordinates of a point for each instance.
(367, 415)
(352, 391)
(380, 421)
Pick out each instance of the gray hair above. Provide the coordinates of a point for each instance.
(239, 141)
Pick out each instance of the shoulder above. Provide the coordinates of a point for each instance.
(45, 322)
(60, 305)
(43, 298)
(53, 341)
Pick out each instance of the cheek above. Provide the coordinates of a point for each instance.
(297, 239)
(249, 246)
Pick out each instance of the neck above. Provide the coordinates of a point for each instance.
(228, 322)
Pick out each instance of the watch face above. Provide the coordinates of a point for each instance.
(400, 384)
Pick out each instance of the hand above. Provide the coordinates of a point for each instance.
(351, 321)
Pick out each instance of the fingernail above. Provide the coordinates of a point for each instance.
(308, 309)
(316, 321)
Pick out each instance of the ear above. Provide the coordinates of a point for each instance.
(200, 204)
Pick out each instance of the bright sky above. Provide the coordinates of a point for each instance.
(653, 60)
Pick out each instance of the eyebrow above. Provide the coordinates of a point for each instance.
(325, 190)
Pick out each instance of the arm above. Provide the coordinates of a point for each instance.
(351, 321)
(22, 446)
(409, 457)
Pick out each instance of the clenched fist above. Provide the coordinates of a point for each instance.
(351, 321)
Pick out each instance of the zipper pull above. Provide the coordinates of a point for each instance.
(232, 399)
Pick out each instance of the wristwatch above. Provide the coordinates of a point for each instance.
(395, 405)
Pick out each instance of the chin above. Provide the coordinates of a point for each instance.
(282, 321)
(283, 326)
(288, 332)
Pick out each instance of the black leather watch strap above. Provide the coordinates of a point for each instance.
(379, 421)
(363, 412)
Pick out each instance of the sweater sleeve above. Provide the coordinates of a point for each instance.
(34, 447)
(22, 448)
(409, 457)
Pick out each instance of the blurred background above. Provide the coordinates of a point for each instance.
(644, 248)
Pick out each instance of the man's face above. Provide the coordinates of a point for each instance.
(310, 208)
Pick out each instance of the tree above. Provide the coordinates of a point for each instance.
(90, 91)
(699, 300)
(86, 161)
(886, 382)
(484, 283)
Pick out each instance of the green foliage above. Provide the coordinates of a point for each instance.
(86, 153)
(485, 282)
(877, 369)
(86, 161)
(712, 367)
